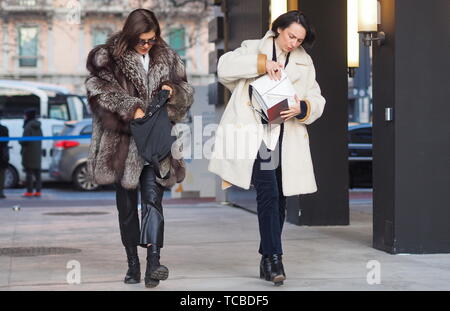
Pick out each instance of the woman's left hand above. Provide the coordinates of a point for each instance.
(292, 111)
(168, 88)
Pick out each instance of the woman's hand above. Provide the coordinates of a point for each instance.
(168, 88)
(139, 113)
(273, 69)
(292, 111)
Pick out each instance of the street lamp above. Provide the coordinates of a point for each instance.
(368, 22)
(352, 37)
(277, 8)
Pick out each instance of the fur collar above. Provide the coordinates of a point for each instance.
(162, 58)
(129, 66)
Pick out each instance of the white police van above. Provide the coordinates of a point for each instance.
(55, 106)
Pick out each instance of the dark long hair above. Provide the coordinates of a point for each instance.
(285, 20)
(139, 21)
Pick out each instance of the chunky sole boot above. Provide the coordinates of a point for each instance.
(160, 273)
(155, 272)
(132, 278)
(150, 283)
(133, 275)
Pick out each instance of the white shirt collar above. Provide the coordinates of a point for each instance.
(145, 59)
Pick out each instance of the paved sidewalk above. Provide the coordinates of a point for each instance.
(208, 246)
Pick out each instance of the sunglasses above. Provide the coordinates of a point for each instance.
(142, 43)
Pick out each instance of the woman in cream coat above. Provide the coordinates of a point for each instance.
(282, 148)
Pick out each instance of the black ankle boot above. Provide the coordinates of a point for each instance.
(277, 275)
(265, 268)
(133, 275)
(155, 271)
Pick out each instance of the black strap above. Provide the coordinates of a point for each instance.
(274, 55)
(151, 110)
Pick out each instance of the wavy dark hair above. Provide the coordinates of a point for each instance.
(285, 20)
(139, 21)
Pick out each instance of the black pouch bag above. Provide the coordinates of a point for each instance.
(152, 133)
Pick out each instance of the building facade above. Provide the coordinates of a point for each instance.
(48, 40)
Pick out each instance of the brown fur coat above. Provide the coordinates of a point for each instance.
(116, 87)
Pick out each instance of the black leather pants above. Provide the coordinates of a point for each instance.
(152, 218)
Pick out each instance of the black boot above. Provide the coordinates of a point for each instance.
(133, 275)
(277, 275)
(265, 268)
(155, 271)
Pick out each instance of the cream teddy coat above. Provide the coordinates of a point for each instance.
(240, 131)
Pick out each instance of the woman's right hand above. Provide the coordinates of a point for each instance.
(273, 69)
(139, 113)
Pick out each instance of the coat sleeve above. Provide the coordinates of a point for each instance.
(240, 64)
(183, 93)
(104, 91)
(109, 95)
(26, 133)
(314, 102)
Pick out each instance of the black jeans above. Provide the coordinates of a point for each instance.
(271, 203)
(36, 174)
(152, 218)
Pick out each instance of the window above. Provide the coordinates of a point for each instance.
(14, 102)
(59, 112)
(76, 107)
(58, 108)
(177, 40)
(87, 130)
(100, 35)
(28, 46)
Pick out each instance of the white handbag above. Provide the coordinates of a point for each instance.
(273, 96)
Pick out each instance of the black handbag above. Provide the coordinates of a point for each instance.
(152, 133)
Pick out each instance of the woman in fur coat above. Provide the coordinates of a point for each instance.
(125, 75)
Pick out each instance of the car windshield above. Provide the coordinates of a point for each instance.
(14, 102)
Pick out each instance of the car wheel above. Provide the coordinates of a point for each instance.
(82, 180)
(11, 177)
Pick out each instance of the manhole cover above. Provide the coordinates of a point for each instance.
(76, 213)
(36, 251)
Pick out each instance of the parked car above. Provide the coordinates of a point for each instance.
(54, 104)
(360, 155)
(70, 155)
